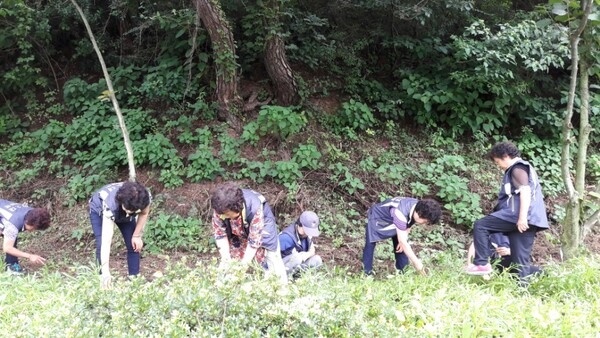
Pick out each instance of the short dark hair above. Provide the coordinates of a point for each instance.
(227, 196)
(501, 149)
(429, 210)
(38, 218)
(133, 196)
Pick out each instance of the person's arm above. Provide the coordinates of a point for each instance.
(10, 234)
(285, 242)
(249, 254)
(404, 246)
(522, 179)
(311, 252)
(136, 240)
(108, 228)
(221, 238)
(9, 248)
(255, 236)
(223, 246)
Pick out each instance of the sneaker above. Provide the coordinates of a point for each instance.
(14, 269)
(479, 270)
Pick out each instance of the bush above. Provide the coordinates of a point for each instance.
(173, 232)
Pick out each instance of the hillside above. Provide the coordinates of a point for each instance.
(70, 243)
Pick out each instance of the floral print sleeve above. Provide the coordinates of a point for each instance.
(256, 229)
(218, 226)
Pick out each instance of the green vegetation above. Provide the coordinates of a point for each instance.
(202, 302)
(396, 99)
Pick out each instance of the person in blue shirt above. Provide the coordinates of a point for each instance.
(14, 219)
(297, 247)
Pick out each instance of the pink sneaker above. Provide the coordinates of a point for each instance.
(479, 270)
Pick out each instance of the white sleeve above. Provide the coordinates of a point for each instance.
(108, 228)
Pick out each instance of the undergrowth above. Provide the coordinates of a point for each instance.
(204, 302)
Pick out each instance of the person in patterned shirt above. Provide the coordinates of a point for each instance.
(245, 228)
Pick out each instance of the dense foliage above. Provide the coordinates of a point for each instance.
(398, 98)
(486, 72)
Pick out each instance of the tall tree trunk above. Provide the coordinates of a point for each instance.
(280, 72)
(572, 225)
(110, 93)
(224, 57)
(276, 63)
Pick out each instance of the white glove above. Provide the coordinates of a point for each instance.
(105, 281)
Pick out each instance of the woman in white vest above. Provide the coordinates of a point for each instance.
(126, 205)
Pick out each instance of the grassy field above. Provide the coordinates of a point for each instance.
(204, 302)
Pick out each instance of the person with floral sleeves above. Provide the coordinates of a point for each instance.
(245, 228)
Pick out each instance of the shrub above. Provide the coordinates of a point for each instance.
(307, 156)
(173, 232)
(280, 122)
(355, 116)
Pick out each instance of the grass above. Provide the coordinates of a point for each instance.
(203, 302)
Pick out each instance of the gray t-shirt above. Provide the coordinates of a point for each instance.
(8, 230)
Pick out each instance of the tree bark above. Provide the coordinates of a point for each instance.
(571, 236)
(280, 72)
(226, 67)
(276, 63)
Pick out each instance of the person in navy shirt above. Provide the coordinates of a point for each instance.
(520, 213)
(126, 205)
(14, 219)
(393, 218)
(297, 247)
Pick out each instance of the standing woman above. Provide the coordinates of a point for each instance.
(127, 205)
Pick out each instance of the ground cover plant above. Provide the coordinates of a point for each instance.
(201, 301)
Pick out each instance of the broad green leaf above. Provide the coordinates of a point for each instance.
(559, 9)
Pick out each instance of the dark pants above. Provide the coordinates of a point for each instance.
(10, 259)
(520, 243)
(127, 229)
(369, 252)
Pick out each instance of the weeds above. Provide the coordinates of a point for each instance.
(202, 301)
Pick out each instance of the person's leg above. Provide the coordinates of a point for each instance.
(133, 258)
(313, 262)
(291, 263)
(504, 264)
(10, 259)
(96, 221)
(520, 251)
(401, 258)
(482, 228)
(368, 253)
(275, 264)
